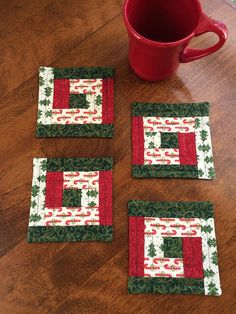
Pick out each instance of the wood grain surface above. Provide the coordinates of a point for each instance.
(92, 277)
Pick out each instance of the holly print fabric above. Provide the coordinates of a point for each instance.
(71, 200)
(76, 102)
(172, 248)
(172, 140)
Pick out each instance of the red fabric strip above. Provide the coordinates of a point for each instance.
(107, 101)
(61, 94)
(105, 198)
(54, 189)
(192, 257)
(138, 140)
(136, 246)
(187, 149)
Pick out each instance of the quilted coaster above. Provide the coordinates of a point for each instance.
(172, 248)
(172, 140)
(71, 200)
(75, 102)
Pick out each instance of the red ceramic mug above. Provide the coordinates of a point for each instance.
(159, 32)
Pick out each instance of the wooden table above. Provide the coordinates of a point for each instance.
(92, 277)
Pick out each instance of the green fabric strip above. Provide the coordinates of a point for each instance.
(202, 210)
(75, 130)
(165, 285)
(171, 110)
(172, 247)
(79, 164)
(78, 101)
(83, 73)
(162, 171)
(71, 197)
(69, 234)
(169, 140)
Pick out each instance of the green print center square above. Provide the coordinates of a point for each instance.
(172, 247)
(72, 198)
(169, 140)
(78, 101)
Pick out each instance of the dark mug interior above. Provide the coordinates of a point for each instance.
(163, 20)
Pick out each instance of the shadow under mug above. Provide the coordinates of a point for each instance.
(159, 32)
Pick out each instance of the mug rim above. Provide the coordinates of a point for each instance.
(158, 43)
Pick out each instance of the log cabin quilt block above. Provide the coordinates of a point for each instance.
(172, 248)
(75, 102)
(172, 140)
(71, 200)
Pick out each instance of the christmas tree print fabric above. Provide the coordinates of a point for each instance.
(172, 248)
(75, 102)
(71, 200)
(172, 140)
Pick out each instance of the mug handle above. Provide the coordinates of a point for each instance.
(205, 25)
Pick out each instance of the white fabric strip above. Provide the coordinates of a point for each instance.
(210, 261)
(38, 193)
(168, 124)
(45, 98)
(204, 149)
